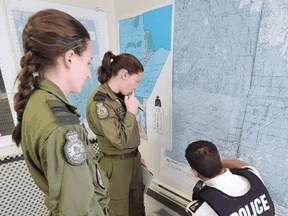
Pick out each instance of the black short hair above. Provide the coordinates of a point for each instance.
(203, 156)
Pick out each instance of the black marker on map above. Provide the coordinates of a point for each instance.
(140, 109)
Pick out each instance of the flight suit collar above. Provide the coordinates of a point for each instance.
(109, 91)
(52, 88)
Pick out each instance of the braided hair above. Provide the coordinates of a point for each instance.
(47, 35)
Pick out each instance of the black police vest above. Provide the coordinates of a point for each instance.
(256, 201)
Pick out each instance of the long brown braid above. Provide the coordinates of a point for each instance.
(47, 35)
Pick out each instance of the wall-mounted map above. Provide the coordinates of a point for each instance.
(230, 84)
(148, 37)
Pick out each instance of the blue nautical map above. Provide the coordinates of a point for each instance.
(20, 18)
(148, 37)
(230, 84)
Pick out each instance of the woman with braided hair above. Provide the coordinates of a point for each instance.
(57, 52)
(111, 111)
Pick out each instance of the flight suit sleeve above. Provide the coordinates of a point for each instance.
(117, 131)
(71, 189)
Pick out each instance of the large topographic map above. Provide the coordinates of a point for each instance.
(148, 37)
(230, 84)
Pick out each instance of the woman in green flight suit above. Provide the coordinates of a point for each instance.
(57, 51)
(111, 116)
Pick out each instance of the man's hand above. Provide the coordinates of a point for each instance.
(233, 163)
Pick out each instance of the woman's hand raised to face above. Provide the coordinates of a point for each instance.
(132, 103)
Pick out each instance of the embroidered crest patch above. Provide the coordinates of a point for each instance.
(74, 149)
(99, 179)
(102, 111)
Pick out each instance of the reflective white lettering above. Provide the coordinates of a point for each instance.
(259, 209)
(242, 212)
(247, 210)
(253, 209)
(258, 206)
(264, 202)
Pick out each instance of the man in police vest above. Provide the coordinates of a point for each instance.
(227, 187)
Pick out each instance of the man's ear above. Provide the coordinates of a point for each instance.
(195, 173)
(124, 73)
(68, 58)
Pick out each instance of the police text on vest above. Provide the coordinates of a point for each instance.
(256, 207)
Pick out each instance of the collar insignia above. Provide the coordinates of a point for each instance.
(118, 101)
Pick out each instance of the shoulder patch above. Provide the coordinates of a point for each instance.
(74, 149)
(102, 110)
(193, 208)
(99, 96)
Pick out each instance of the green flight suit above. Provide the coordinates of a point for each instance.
(59, 156)
(117, 133)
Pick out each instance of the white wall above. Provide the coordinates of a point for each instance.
(125, 7)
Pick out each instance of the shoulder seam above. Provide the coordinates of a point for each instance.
(99, 96)
(62, 113)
